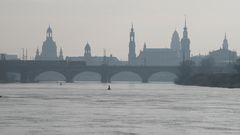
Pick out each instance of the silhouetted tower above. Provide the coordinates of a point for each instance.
(225, 43)
(132, 46)
(185, 44)
(49, 33)
(61, 54)
(144, 46)
(175, 42)
(144, 51)
(49, 48)
(87, 49)
(105, 60)
(37, 57)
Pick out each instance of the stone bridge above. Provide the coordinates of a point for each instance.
(29, 70)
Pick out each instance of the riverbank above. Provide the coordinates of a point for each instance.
(212, 80)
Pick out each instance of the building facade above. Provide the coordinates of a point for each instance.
(223, 55)
(95, 60)
(158, 57)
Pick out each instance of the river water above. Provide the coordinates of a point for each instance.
(128, 109)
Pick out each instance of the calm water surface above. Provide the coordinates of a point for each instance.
(128, 109)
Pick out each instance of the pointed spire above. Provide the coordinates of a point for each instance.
(37, 52)
(61, 54)
(60, 49)
(49, 30)
(132, 29)
(144, 46)
(185, 21)
(225, 42)
(185, 33)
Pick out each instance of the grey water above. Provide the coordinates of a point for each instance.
(87, 108)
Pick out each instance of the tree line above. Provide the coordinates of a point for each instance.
(207, 73)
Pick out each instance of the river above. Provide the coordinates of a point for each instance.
(128, 109)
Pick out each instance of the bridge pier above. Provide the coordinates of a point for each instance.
(23, 78)
(26, 77)
(144, 80)
(105, 78)
(3, 74)
(69, 78)
(69, 81)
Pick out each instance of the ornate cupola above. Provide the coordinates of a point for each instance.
(87, 49)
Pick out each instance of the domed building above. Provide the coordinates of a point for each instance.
(94, 60)
(49, 49)
(87, 52)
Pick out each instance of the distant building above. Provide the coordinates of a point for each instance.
(49, 49)
(223, 55)
(8, 57)
(158, 57)
(95, 60)
(185, 45)
(132, 46)
(172, 56)
(161, 56)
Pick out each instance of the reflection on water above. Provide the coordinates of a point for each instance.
(128, 109)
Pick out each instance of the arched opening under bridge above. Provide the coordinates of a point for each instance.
(87, 76)
(162, 77)
(50, 76)
(126, 76)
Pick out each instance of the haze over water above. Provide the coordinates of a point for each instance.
(128, 109)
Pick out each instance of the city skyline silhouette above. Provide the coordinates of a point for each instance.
(105, 25)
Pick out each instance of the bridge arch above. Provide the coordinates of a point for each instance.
(125, 76)
(87, 76)
(162, 76)
(49, 76)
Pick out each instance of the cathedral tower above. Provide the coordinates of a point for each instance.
(87, 52)
(175, 43)
(61, 54)
(132, 46)
(225, 43)
(37, 57)
(185, 44)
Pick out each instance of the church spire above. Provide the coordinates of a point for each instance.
(37, 54)
(185, 32)
(132, 46)
(225, 42)
(61, 54)
(185, 22)
(185, 44)
(49, 32)
(87, 49)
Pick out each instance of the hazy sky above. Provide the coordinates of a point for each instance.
(106, 24)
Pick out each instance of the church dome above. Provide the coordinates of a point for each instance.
(175, 36)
